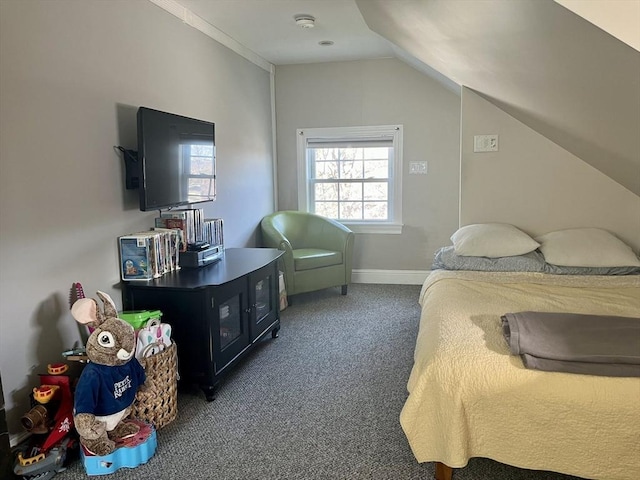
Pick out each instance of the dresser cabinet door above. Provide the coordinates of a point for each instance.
(263, 300)
(229, 314)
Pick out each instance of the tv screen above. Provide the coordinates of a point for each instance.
(177, 159)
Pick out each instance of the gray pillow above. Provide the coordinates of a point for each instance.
(447, 259)
(563, 270)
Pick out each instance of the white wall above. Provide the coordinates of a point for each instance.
(533, 183)
(72, 75)
(380, 92)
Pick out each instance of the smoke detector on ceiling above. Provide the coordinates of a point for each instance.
(305, 21)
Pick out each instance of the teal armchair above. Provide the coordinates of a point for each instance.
(318, 251)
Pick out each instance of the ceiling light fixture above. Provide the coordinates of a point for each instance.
(304, 20)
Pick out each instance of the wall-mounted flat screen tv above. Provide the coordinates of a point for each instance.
(177, 160)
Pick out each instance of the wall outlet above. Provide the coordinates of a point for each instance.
(418, 168)
(485, 143)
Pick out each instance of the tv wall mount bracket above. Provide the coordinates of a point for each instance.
(131, 168)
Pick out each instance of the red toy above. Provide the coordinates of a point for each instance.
(50, 420)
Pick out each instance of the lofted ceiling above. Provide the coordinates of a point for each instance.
(540, 62)
(267, 27)
(621, 19)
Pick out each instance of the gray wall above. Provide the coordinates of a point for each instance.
(380, 92)
(535, 184)
(72, 75)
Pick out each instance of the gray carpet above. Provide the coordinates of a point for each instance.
(320, 402)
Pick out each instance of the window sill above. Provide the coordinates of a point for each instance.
(378, 228)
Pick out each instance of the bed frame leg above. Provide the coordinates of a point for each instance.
(443, 472)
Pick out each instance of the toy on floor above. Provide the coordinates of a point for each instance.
(129, 452)
(109, 382)
(50, 422)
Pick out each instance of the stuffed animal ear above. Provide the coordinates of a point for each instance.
(110, 310)
(85, 311)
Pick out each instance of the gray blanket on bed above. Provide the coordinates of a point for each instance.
(575, 343)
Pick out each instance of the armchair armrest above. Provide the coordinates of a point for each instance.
(333, 235)
(273, 238)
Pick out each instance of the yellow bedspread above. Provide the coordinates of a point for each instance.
(468, 397)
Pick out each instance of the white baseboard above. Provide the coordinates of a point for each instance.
(394, 277)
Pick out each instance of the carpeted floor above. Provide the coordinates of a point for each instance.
(322, 401)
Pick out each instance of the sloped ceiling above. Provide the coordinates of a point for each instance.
(620, 19)
(546, 66)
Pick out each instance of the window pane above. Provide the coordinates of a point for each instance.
(376, 169)
(375, 153)
(375, 191)
(350, 191)
(326, 191)
(350, 153)
(326, 170)
(351, 169)
(319, 154)
(350, 211)
(327, 209)
(375, 211)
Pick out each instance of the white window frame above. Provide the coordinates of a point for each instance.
(394, 224)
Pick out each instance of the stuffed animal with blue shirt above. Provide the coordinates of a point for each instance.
(108, 384)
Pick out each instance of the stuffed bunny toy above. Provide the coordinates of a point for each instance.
(108, 384)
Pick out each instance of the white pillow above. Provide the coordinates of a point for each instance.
(586, 247)
(492, 240)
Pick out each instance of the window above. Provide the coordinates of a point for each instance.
(353, 175)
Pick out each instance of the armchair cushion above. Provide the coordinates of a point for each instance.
(310, 258)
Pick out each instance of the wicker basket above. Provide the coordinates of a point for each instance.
(158, 403)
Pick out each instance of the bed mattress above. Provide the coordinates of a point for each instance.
(469, 397)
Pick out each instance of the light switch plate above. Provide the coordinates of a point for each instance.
(418, 168)
(485, 143)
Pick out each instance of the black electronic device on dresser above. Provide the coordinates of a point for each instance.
(217, 312)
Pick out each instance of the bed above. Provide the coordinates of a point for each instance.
(469, 396)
